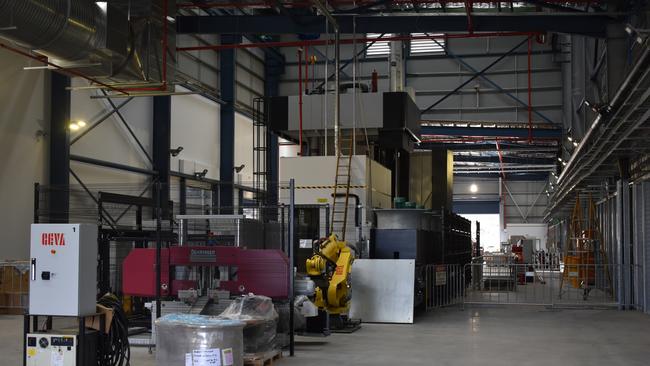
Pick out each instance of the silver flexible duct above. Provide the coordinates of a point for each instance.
(62, 29)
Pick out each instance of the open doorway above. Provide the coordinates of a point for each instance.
(490, 234)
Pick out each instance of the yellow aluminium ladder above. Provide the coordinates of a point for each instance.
(342, 180)
(583, 253)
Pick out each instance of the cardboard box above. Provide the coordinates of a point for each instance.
(14, 288)
(14, 278)
(94, 321)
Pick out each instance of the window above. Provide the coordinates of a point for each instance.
(379, 48)
(427, 45)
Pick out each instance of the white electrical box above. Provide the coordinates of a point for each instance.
(63, 272)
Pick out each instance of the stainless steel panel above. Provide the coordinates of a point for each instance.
(383, 290)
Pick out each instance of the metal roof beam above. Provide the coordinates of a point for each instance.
(544, 133)
(585, 24)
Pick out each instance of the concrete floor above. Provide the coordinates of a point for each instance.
(480, 336)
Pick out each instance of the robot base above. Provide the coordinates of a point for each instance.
(325, 324)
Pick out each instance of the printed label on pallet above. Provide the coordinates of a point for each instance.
(227, 356)
(206, 357)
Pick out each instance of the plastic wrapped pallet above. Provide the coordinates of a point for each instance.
(197, 340)
(258, 312)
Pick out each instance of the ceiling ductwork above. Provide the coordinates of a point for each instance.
(118, 42)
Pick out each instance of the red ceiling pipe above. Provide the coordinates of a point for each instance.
(375, 81)
(468, 10)
(503, 195)
(62, 69)
(306, 69)
(123, 91)
(323, 42)
(530, 90)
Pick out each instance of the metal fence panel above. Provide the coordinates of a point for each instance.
(573, 285)
(444, 285)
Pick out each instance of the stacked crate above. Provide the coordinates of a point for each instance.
(14, 287)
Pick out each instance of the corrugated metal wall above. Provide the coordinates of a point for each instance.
(434, 75)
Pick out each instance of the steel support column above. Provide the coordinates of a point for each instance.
(59, 147)
(161, 146)
(227, 61)
(623, 247)
(273, 70)
(644, 243)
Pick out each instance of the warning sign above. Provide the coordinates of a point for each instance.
(441, 275)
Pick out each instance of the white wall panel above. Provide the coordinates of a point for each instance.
(196, 127)
(110, 141)
(24, 111)
(244, 147)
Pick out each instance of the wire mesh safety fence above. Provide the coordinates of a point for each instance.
(444, 285)
(573, 285)
(132, 215)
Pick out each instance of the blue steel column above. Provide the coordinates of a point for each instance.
(59, 147)
(161, 145)
(623, 237)
(227, 136)
(273, 69)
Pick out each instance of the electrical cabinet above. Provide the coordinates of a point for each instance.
(63, 271)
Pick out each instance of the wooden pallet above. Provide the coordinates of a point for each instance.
(262, 359)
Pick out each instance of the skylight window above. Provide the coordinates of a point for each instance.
(379, 48)
(427, 45)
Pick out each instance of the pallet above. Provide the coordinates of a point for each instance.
(262, 359)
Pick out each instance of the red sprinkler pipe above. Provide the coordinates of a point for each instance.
(124, 91)
(300, 98)
(470, 22)
(306, 69)
(62, 69)
(503, 196)
(530, 90)
(500, 159)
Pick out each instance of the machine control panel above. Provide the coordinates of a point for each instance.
(51, 350)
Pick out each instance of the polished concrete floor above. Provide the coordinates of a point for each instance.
(482, 336)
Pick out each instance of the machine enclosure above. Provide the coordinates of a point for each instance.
(63, 271)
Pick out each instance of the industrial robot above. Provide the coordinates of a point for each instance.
(330, 269)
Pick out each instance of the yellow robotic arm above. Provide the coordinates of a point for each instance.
(333, 262)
